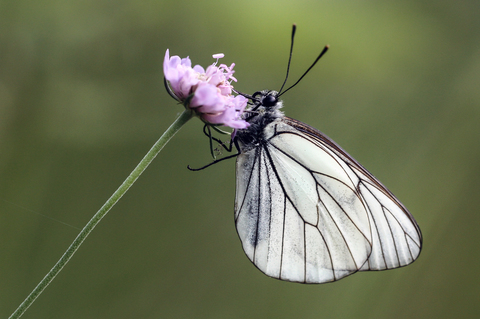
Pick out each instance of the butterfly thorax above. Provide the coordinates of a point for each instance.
(265, 110)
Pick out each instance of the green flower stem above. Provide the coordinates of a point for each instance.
(152, 153)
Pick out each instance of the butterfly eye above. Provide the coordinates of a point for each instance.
(269, 100)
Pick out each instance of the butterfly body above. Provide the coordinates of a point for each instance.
(306, 211)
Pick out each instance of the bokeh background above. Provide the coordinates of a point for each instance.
(82, 100)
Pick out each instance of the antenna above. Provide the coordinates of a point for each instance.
(294, 28)
(313, 64)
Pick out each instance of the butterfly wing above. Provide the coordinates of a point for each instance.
(306, 211)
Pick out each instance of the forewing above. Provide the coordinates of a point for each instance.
(297, 211)
(396, 237)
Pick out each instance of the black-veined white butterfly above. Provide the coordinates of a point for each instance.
(305, 210)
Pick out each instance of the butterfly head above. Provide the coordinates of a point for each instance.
(267, 99)
(265, 102)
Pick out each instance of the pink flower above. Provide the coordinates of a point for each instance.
(208, 93)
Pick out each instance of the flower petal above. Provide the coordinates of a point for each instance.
(211, 89)
(206, 97)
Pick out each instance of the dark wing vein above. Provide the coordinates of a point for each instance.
(239, 209)
(285, 194)
(259, 190)
(377, 231)
(316, 135)
(311, 172)
(326, 191)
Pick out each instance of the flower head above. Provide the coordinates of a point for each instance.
(207, 92)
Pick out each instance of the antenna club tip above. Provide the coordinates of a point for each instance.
(327, 46)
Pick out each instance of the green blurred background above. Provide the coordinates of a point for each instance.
(82, 100)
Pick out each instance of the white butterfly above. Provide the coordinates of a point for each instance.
(306, 211)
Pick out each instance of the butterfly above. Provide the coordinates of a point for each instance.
(305, 210)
